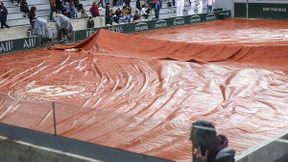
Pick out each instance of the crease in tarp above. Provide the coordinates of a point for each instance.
(109, 43)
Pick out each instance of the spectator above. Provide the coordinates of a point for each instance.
(66, 8)
(94, 9)
(179, 7)
(106, 2)
(125, 16)
(157, 9)
(101, 2)
(53, 7)
(15, 2)
(24, 7)
(150, 3)
(129, 14)
(73, 12)
(3, 15)
(120, 2)
(32, 15)
(64, 27)
(78, 5)
(207, 146)
(108, 16)
(62, 7)
(200, 7)
(58, 4)
(137, 17)
(83, 14)
(118, 14)
(193, 4)
(55, 14)
(127, 3)
(90, 22)
(107, 13)
(138, 5)
(113, 17)
(169, 3)
(114, 3)
(209, 4)
(145, 11)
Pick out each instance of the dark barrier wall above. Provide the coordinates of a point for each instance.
(94, 151)
(19, 44)
(155, 24)
(264, 9)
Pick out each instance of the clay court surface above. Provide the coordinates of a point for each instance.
(141, 92)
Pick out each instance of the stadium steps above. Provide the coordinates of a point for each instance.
(15, 16)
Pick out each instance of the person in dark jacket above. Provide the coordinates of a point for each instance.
(138, 5)
(127, 3)
(207, 146)
(78, 5)
(24, 7)
(90, 23)
(3, 15)
(136, 17)
(53, 7)
(32, 15)
(107, 14)
(118, 14)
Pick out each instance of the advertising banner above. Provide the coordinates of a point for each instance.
(155, 24)
(262, 1)
(19, 44)
(263, 9)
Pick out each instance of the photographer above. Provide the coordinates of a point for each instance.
(207, 146)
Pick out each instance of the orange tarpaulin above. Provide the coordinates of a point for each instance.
(141, 94)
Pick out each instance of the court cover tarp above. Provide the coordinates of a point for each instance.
(141, 92)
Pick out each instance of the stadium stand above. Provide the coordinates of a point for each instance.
(15, 16)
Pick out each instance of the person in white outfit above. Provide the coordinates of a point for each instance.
(200, 7)
(193, 5)
(179, 7)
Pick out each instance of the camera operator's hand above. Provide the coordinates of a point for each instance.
(199, 156)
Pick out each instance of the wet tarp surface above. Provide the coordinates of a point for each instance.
(141, 92)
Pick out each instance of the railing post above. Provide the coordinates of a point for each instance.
(54, 118)
(247, 9)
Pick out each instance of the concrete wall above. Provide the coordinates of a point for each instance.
(267, 151)
(21, 31)
(20, 145)
(226, 5)
(17, 151)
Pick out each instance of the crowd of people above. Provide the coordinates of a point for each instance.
(122, 14)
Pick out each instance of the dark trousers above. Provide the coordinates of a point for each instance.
(101, 2)
(127, 4)
(157, 13)
(114, 2)
(53, 9)
(3, 23)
